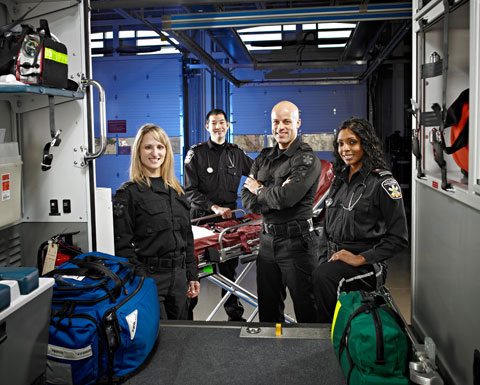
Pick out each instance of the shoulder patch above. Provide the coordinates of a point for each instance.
(190, 155)
(118, 209)
(392, 188)
(307, 159)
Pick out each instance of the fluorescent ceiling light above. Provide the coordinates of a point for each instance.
(146, 33)
(109, 35)
(150, 53)
(267, 28)
(96, 44)
(96, 36)
(336, 25)
(147, 42)
(334, 34)
(169, 50)
(126, 34)
(306, 27)
(250, 48)
(332, 45)
(290, 27)
(262, 37)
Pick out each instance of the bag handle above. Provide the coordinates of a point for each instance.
(114, 293)
(99, 267)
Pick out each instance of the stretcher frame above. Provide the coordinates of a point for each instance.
(225, 254)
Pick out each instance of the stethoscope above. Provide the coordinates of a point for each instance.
(229, 165)
(352, 202)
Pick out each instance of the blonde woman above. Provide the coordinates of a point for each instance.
(152, 222)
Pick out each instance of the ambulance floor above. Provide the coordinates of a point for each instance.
(216, 353)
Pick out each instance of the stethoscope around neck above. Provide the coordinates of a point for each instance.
(230, 164)
(352, 203)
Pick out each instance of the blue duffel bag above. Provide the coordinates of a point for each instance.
(104, 321)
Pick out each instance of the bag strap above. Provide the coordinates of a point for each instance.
(134, 268)
(371, 303)
(99, 267)
(115, 291)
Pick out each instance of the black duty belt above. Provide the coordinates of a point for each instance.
(153, 264)
(290, 229)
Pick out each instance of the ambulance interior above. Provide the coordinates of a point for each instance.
(64, 152)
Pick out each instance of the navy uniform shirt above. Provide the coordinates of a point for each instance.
(281, 202)
(227, 163)
(366, 215)
(153, 222)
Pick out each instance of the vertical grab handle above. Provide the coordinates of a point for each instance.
(103, 119)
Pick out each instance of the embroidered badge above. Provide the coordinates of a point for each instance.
(392, 188)
(118, 209)
(307, 159)
(189, 156)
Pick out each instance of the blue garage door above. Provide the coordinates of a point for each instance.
(138, 90)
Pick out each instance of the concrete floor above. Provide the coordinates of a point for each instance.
(398, 281)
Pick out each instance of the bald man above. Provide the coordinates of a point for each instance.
(281, 186)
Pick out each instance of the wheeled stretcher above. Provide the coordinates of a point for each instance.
(240, 238)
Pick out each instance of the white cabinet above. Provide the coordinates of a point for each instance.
(445, 237)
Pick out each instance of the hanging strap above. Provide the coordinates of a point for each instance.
(47, 158)
(416, 139)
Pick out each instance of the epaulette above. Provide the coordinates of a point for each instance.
(125, 185)
(382, 172)
(196, 145)
(305, 147)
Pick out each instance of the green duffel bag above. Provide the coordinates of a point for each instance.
(369, 340)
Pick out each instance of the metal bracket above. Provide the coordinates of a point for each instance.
(79, 154)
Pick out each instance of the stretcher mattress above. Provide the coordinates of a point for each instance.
(217, 242)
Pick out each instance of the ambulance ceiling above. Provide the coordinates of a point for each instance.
(290, 42)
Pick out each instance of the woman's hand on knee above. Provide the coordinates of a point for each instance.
(348, 257)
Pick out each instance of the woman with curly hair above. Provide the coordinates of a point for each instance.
(365, 221)
(152, 222)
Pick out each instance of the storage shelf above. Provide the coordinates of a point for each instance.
(24, 97)
(22, 89)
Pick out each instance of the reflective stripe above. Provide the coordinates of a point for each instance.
(69, 354)
(337, 309)
(354, 278)
(53, 55)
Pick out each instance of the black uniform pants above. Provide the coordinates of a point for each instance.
(286, 262)
(172, 292)
(330, 278)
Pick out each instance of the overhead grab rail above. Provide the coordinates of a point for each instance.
(103, 120)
